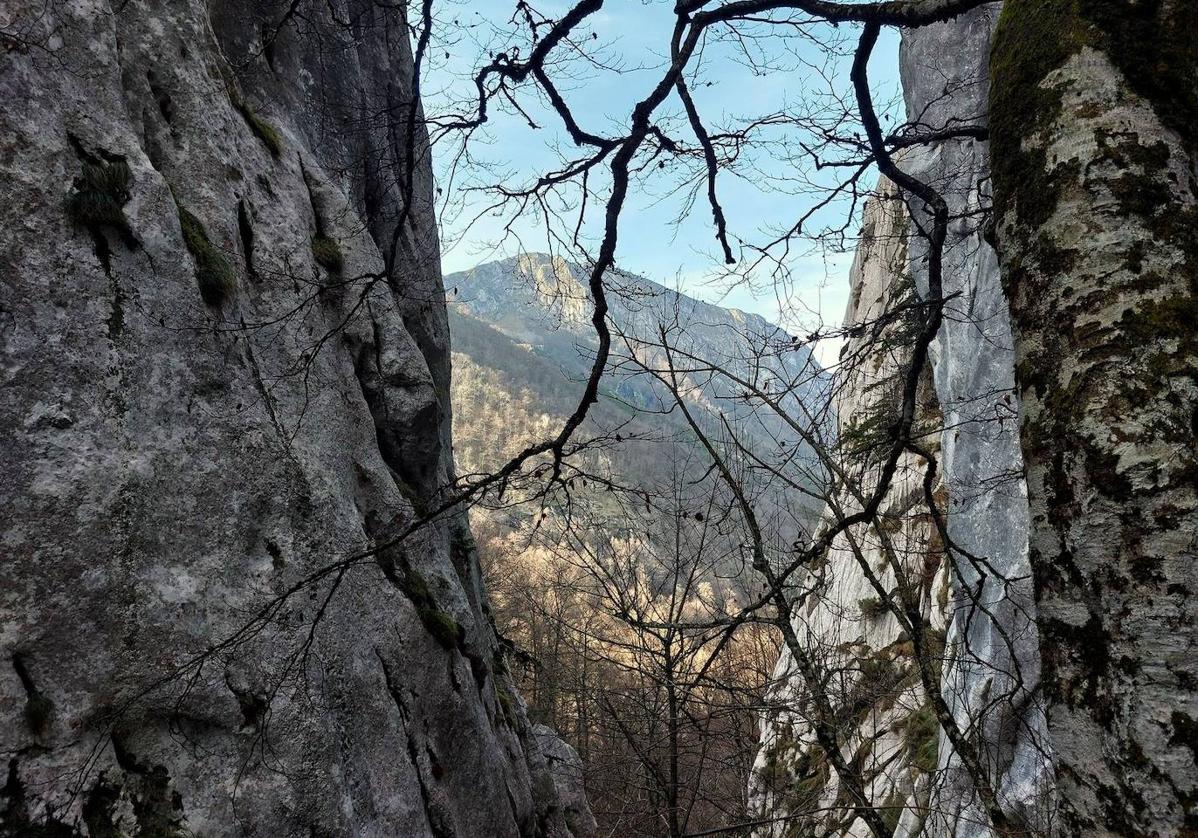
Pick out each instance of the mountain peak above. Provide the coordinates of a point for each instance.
(529, 295)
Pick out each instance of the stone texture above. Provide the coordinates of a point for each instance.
(566, 769)
(872, 681)
(172, 468)
(991, 668)
(1098, 230)
(993, 672)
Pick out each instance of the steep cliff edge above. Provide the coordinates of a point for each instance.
(225, 377)
(992, 669)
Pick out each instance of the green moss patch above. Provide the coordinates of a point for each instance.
(507, 704)
(327, 253)
(921, 739)
(445, 629)
(214, 273)
(266, 132)
(1034, 38)
(1152, 44)
(263, 130)
(99, 194)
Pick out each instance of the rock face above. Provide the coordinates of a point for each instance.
(1096, 181)
(566, 770)
(884, 723)
(225, 380)
(990, 666)
(993, 671)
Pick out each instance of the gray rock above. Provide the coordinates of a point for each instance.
(566, 770)
(194, 640)
(993, 667)
(945, 70)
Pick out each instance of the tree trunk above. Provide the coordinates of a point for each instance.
(1094, 120)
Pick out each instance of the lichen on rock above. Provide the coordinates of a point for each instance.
(1103, 279)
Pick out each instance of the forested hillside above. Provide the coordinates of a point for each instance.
(521, 332)
(639, 533)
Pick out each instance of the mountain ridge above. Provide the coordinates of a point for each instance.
(523, 346)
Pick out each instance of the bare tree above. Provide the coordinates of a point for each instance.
(663, 714)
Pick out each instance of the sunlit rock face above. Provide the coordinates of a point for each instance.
(208, 421)
(978, 591)
(993, 669)
(881, 714)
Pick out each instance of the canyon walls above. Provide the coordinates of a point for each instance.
(976, 594)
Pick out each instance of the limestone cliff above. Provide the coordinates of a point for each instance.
(1095, 131)
(225, 379)
(976, 586)
(882, 716)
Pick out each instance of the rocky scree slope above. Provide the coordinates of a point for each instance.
(225, 370)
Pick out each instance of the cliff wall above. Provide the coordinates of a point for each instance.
(992, 670)
(225, 380)
(976, 594)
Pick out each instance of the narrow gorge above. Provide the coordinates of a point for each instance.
(1059, 529)
(436, 419)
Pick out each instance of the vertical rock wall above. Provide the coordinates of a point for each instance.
(990, 670)
(887, 730)
(1095, 129)
(992, 673)
(225, 372)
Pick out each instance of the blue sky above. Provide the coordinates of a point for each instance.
(660, 237)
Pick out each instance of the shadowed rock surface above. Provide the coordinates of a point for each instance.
(225, 372)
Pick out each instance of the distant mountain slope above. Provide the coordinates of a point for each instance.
(523, 346)
(543, 301)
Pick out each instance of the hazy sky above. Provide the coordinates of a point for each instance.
(658, 237)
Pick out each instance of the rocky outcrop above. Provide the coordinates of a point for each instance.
(566, 771)
(1095, 129)
(977, 585)
(992, 670)
(225, 382)
(881, 712)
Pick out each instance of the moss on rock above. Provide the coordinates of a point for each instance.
(1034, 37)
(445, 629)
(327, 253)
(99, 194)
(263, 130)
(214, 273)
(1152, 44)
